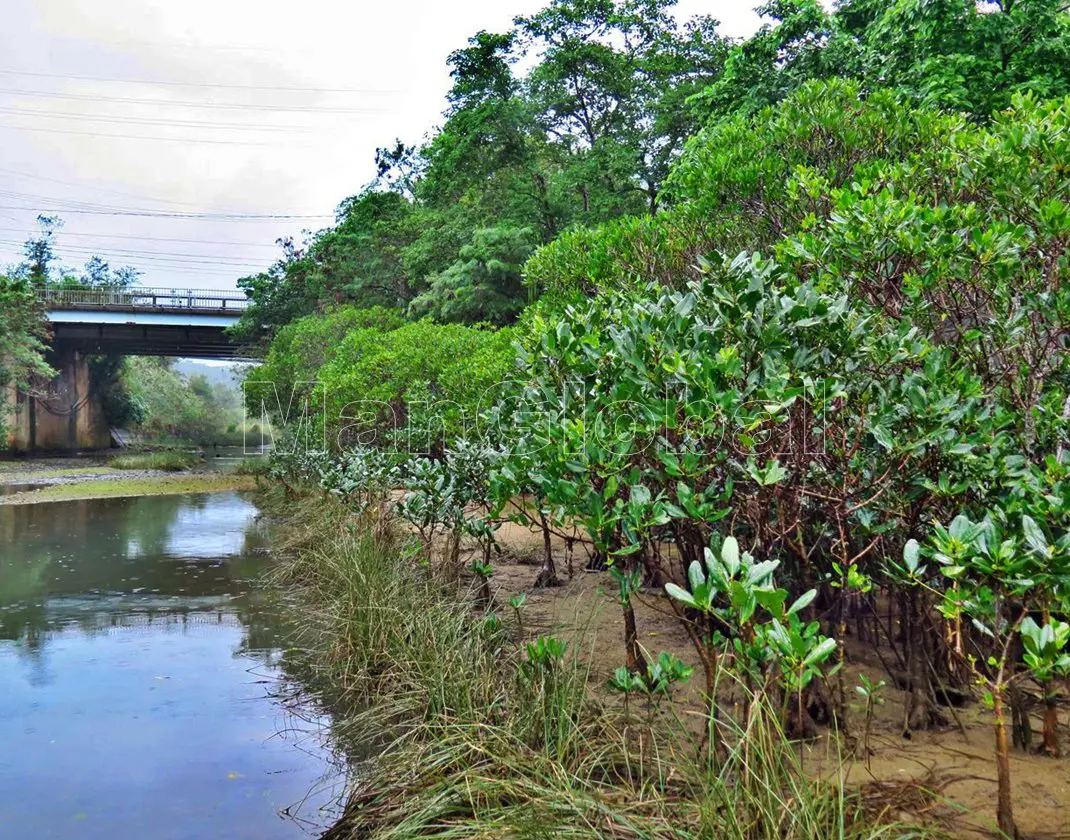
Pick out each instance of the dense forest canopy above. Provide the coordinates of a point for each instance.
(586, 134)
(576, 115)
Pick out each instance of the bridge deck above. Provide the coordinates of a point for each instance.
(145, 321)
(145, 299)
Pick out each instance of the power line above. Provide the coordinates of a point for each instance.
(170, 256)
(95, 188)
(215, 85)
(83, 97)
(70, 205)
(143, 253)
(67, 233)
(125, 120)
(69, 202)
(208, 140)
(113, 255)
(200, 271)
(204, 217)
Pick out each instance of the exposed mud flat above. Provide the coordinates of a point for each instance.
(956, 768)
(61, 479)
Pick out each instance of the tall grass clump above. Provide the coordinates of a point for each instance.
(475, 732)
(163, 461)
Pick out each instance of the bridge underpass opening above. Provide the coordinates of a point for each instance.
(138, 321)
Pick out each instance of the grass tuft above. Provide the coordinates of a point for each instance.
(163, 461)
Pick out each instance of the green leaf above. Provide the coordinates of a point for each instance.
(610, 488)
(802, 602)
(761, 572)
(640, 495)
(961, 527)
(820, 653)
(911, 554)
(730, 555)
(1034, 535)
(680, 594)
(881, 435)
(695, 575)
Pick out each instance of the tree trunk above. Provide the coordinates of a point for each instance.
(635, 659)
(841, 657)
(484, 582)
(548, 573)
(1004, 804)
(713, 726)
(1050, 746)
(1021, 728)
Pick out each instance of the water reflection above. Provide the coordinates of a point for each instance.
(137, 660)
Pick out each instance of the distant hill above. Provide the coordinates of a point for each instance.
(230, 374)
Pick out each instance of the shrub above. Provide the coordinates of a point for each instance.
(412, 387)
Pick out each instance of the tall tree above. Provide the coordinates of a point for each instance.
(608, 86)
(40, 251)
(955, 54)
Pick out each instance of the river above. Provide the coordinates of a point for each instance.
(141, 677)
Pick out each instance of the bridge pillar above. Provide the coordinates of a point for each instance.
(67, 417)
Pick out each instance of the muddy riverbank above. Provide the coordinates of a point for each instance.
(35, 481)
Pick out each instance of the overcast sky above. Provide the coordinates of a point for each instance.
(152, 126)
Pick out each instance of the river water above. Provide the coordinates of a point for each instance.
(141, 671)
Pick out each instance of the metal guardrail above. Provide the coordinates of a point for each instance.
(144, 297)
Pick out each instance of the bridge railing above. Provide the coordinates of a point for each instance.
(144, 297)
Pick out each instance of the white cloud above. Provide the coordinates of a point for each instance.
(72, 140)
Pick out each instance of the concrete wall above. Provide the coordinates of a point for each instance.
(67, 418)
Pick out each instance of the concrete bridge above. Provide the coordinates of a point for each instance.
(145, 321)
(136, 321)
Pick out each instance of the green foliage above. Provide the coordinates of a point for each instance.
(660, 676)
(954, 54)
(744, 183)
(170, 406)
(586, 134)
(494, 743)
(359, 259)
(988, 576)
(300, 349)
(733, 592)
(484, 284)
(23, 342)
(545, 652)
(412, 386)
(1046, 653)
(844, 324)
(23, 334)
(106, 377)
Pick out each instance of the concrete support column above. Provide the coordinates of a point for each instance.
(68, 417)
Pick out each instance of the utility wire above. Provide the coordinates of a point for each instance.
(125, 120)
(75, 205)
(95, 188)
(170, 256)
(85, 97)
(216, 85)
(232, 243)
(208, 140)
(71, 205)
(203, 217)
